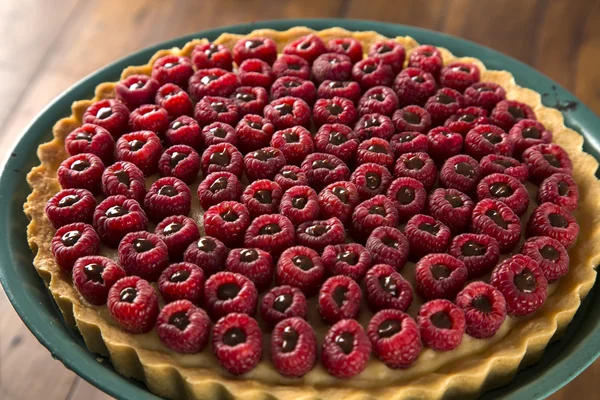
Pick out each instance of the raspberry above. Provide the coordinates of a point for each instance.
(308, 47)
(338, 140)
(93, 276)
(331, 66)
(339, 298)
(318, 234)
(270, 232)
(495, 163)
(442, 143)
(507, 113)
(553, 221)
(561, 190)
(426, 235)
(222, 157)
(322, 169)
(216, 109)
(484, 94)
(460, 172)
(136, 90)
(293, 347)
(181, 162)
(523, 284)
(372, 72)
(348, 259)
(408, 142)
(141, 148)
(484, 307)
(287, 112)
(385, 288)
(283, 302)
(263, 163)
(428, 58)
(344, 89)
(375, 150)
(218, 132)
(143, 254)
(117, 216)
(227, 292)
(237, 343)
(109, 114)
(371, 179)
(348, 46)
(544, 160)
(184, 130)
(389, 52)
(395, 338)
(487, 139)
(291, 65)
(300, 267)
(294, 143)
(346, 349)
(167, 196)
(255, 72)
(300, 204)
(254, 132)
(408, 196)
(82, 171)
(227, 221)
(550, 255)
(378, 100)
(442, 325)
(452, 208)
(262, 197)
(254, 264)
(172, 69)
(208, 253)
(133, 304)
(527, 133)
(418, 166)
(338, 200)
(372, 213)
(466, 119)
(212, 82)
(73, 241)
(210, 55)
(443, 104)
(374, 126)
(388, 245)
(149, 117)
(262, 48)
(439, 276)
(178, 232)
(175, 100)
(218, 187)
(506, 189)
(182, 281)
(294, 87)
(413, 86)
(183, 327)
(496, 219)
(290, 176)
(459, 75)
(412, 119)
(250, 100)
(93, 139)
(69, 206)
(334, 110)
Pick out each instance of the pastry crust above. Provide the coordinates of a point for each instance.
(477, 365)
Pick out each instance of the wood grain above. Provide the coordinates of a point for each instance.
(48, 45)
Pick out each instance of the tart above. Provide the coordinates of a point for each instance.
(315, 214)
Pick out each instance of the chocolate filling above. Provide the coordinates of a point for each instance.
(290, 175)
(472, 248)
(206, 244)
(234, 336)
(549, 253)
(454, 200)
(116, 211)
(80, 165)
(68, 200)
(388, 285)
(411, 117)
(218, 131)
(563, 188)
(104, 113)
(465, 169)
(390, 242)
(405, 195)
(167, 190)
(552, 160)
(346, 342)
(290, 339)
(525, 281)
(377, 148)
(219, 106)
(180, 276)
(414, 163)
(218, 184)
(269, 229)
(230, 216)
(337, 138)
(349, 257)
(219, 158)
(228, 291)
(389, 328)
(94, 272)
(439, 271)
(429, 228)
(291, 137)
(444, 98)
(339, 295)
(482, 303)
(373, 180)
(516, 112)
(341, 193)
(283, 302)
(302, 262)
(379, 210)
(491, 137)
(531, 132)
(141, 245)
(180, 320)
(128, 295)
(334, 109)
(70, 238)
(284, 109)
(558, 221)
(175, 158)
(263, 196)
(136, 145)
(299, 202)
(441, 320)
(264, 155)
(495, 216)
(248, 255)
(322, 164)
(317, 230)
(500, 189)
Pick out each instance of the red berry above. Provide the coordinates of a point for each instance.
(372, 213)
(172, 69)
(348, 46)
(418, 166)
(550, 255)
(442, 325)
(293, 86)
(443, 104)
(291, 65)
(331, 66)
(460, 172)
(395, 338)
(181, 162)
(527, 133)
(300, 267)
(375, 150)
(300, 204)
(388, 245)
(452, 208)
(544, 160)
(349, 259)
(227, 292)
(374, 126)
(507, 113)
(167, 196)
(254, 132)
(439, 276)
(553, 221)
(184, 130)
(141, 148)
(254, 264)
(346, 349)
(93, 276)
(182, 281)
(506, 189)
(237, 343)
(371, 179)
(428, 58)
(378, 100)
(261, 48)
(178, 232)
(484, 94)
(210, 55)
(143, 254)
(414, 86)
(484, 307)
(109, 114)
(290, 176)
(426, 235)
(386, 288)
(270, 232)
(561, 190)
(343, 89)
(219, 132)
(466, 119)
(136, 90)
(442, 143)
(175, 100)
(222, 157)
(334, 110)
(318, 234)
(338, 200)
(495, 163)
(409, 197)
(262, 197)
(263, 163)
(250, 100)
(293, 347)
(69, 206)
(183, 327)
(479, 253)
(149, 117)
(412, 119)
(82, 171)
(212, 82)
(133, 304)
(287, 112)
(255, 72)
(208, 253)
(322, 169)
(117, 216)
(218, 187)
(389, 52)
(487, 139)
(308, 47)
(294, 143)
(93, 139)
(227, 221)
(338, 140)
(283, 302)
(459, 75)
(216, 109)
(496, 219)
(409, 142)
(74, 241)
(372, 72)
(339, 298)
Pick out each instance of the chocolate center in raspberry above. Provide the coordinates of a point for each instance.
(167, 190)
(472, 248)
(264, 155)
(136, 145)
(531, 132)
(373, 180)
(414, 163)
(284, 109)
(299, 202)
(377, 96)
(290, 339)
(389, 328)
(467, 118)
(384, 49)
(291, 137)
(500, 189)
(379, 210)
(94, 272)
(337, 138)
(294, 67)
(291, 84)
(503, 163)
(322, 164)
(141, 245)
(390, 242)
(368, 68)
(104, 113)
(80, 165)
(208, 79)
(491, 137)
(248, 255)
(123, 177)
(317, 230)
(211, 50)
(549, 253)
(563, 188)
(339, 295)
(516, 112)
(336, 84)
(252, 44)
(206, 244)
(234, 336)
(552, 160)
(429, 228)
(176, 157)
(219, 158)
(405, 195)
(269, 229)
(231, 216)
(128, 295)
(334, 109)
(465, 169)
(283, 302)
(411, 117)
(388, 285)
(263, 196)
(341, 193)
(218, 132)
(485, 89)
(84, 136)
(246, 97)
(302, 262)
(116, 211)
(558, 221)
(349, 257)
(219, 106)
(136, 85)
(439, 271)
(525, 281)
(454, 200)
(70, 238)
(443, 98)
(371, 122)
(495, 216)
(170, 65)
(179, 320)
(346, 342)
(228, 291)
(441, 320)
(218, 184)
(482, 303)
(177, 124)
(377, 148)
(180, 276)
(418, 79)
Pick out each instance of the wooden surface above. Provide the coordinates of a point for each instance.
(47, 45)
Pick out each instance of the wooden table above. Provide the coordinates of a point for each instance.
(47, 45)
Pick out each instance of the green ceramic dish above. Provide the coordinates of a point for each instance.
(562, 361)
